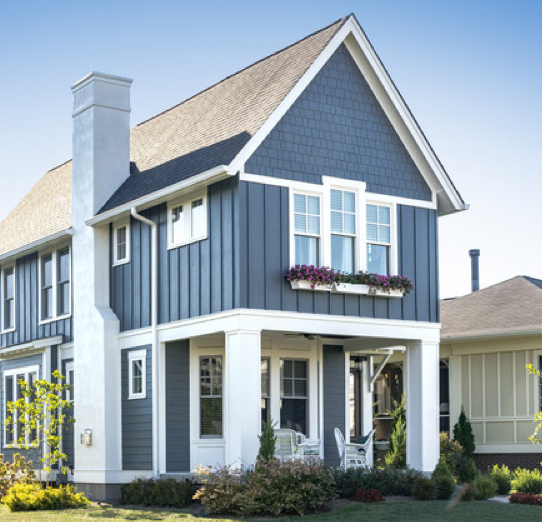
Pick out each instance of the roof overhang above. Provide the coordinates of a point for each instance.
(196, 182)
(352, 35)
(491, 335)
(37, 245)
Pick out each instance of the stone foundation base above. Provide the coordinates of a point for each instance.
(103, 492)
(512, 460)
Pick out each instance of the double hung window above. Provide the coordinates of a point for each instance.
(378, 222)
(8, 299)
(137, 374)
(121, 244)
(55, 284)
(12, 392)
(187, 221)
(294, 394)
(307, 229)
(343, 230)
(211, 397)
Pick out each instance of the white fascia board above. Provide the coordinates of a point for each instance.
(32, 347)
(408, 120)
(239, 161)
(489, 336)
(395, 108)
(38, 244)
(154, 198)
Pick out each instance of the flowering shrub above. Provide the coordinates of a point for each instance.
(525, 498)
(271, 488)
(31, 497)
(17, 472)
(316, 276)
(367, 495)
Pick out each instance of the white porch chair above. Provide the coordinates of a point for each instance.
(289, 444)
(353, 455)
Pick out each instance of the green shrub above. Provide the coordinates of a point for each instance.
(271, 488)
(163, 492)
(423, 489)
(467, 493)
(484, 487)
(527, 481)
(451, 452)
(388, 481)
(444, 481)
(17, 472)
(30, 497)
(396, 455)
(503, 478)
(268, 440)
(464, 435)
(468, 472)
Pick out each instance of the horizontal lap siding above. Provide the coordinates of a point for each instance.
(12, 364)
(177, 407)
(265, 259)
(27, 328)
(337, 128)
(195, 279)
(136, 419)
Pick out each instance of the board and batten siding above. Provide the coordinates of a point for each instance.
(334, 400)
(196, 279)
(12, 364)
(265, 258)
(136, 418)
(337, 128)
(27, 327)
(178, 407)
(68, 432)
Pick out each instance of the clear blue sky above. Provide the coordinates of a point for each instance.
(469, 70)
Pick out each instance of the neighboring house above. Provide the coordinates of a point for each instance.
(152, 265)
(487, 338)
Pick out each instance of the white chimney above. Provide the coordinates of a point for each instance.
(101, 139)
(101, 163)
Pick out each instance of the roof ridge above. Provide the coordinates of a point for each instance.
(342, 20)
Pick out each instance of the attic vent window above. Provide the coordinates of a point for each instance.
(187, 221)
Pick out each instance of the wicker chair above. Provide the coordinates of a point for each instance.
(353, 455)
(289, 444)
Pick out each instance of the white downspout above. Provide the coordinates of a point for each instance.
(154, 333)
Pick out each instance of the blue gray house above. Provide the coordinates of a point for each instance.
(150, 268)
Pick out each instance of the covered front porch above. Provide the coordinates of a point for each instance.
(307, 375)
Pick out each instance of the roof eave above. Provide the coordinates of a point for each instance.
(489, 336)
(200, 180)
(36, 245)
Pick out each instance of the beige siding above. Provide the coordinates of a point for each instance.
(506, 372)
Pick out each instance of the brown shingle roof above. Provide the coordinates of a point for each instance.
(511, 307)
(205, 131)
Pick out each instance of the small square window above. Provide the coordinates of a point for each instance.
(121, 244)
(187, 221)
(137, 374)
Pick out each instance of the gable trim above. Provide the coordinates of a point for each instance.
(391, 102)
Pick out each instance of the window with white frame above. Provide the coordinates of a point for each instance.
(307, 229)
(70, 381)
(121, 244)
(137, 374)
(12, 393)
(378, 233)
(294, 394)
(265, 395)
(8, 299)
(343, 230)
(211, 397)
(187, 221)
(55, 284)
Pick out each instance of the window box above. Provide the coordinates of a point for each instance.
(307, 285)
(386, 293)
(347, 288)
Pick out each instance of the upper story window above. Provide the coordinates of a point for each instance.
(8, 299)
(378, 238)
(187, 221)
(137, 374)
(343, 230)
(121, 244)
(307, 229)
(55, 285)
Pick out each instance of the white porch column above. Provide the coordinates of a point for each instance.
(242, 394)
(422, 398)
(367, 402)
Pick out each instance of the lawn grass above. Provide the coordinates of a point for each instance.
(434, 511)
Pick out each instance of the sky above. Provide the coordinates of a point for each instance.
(470, 72)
